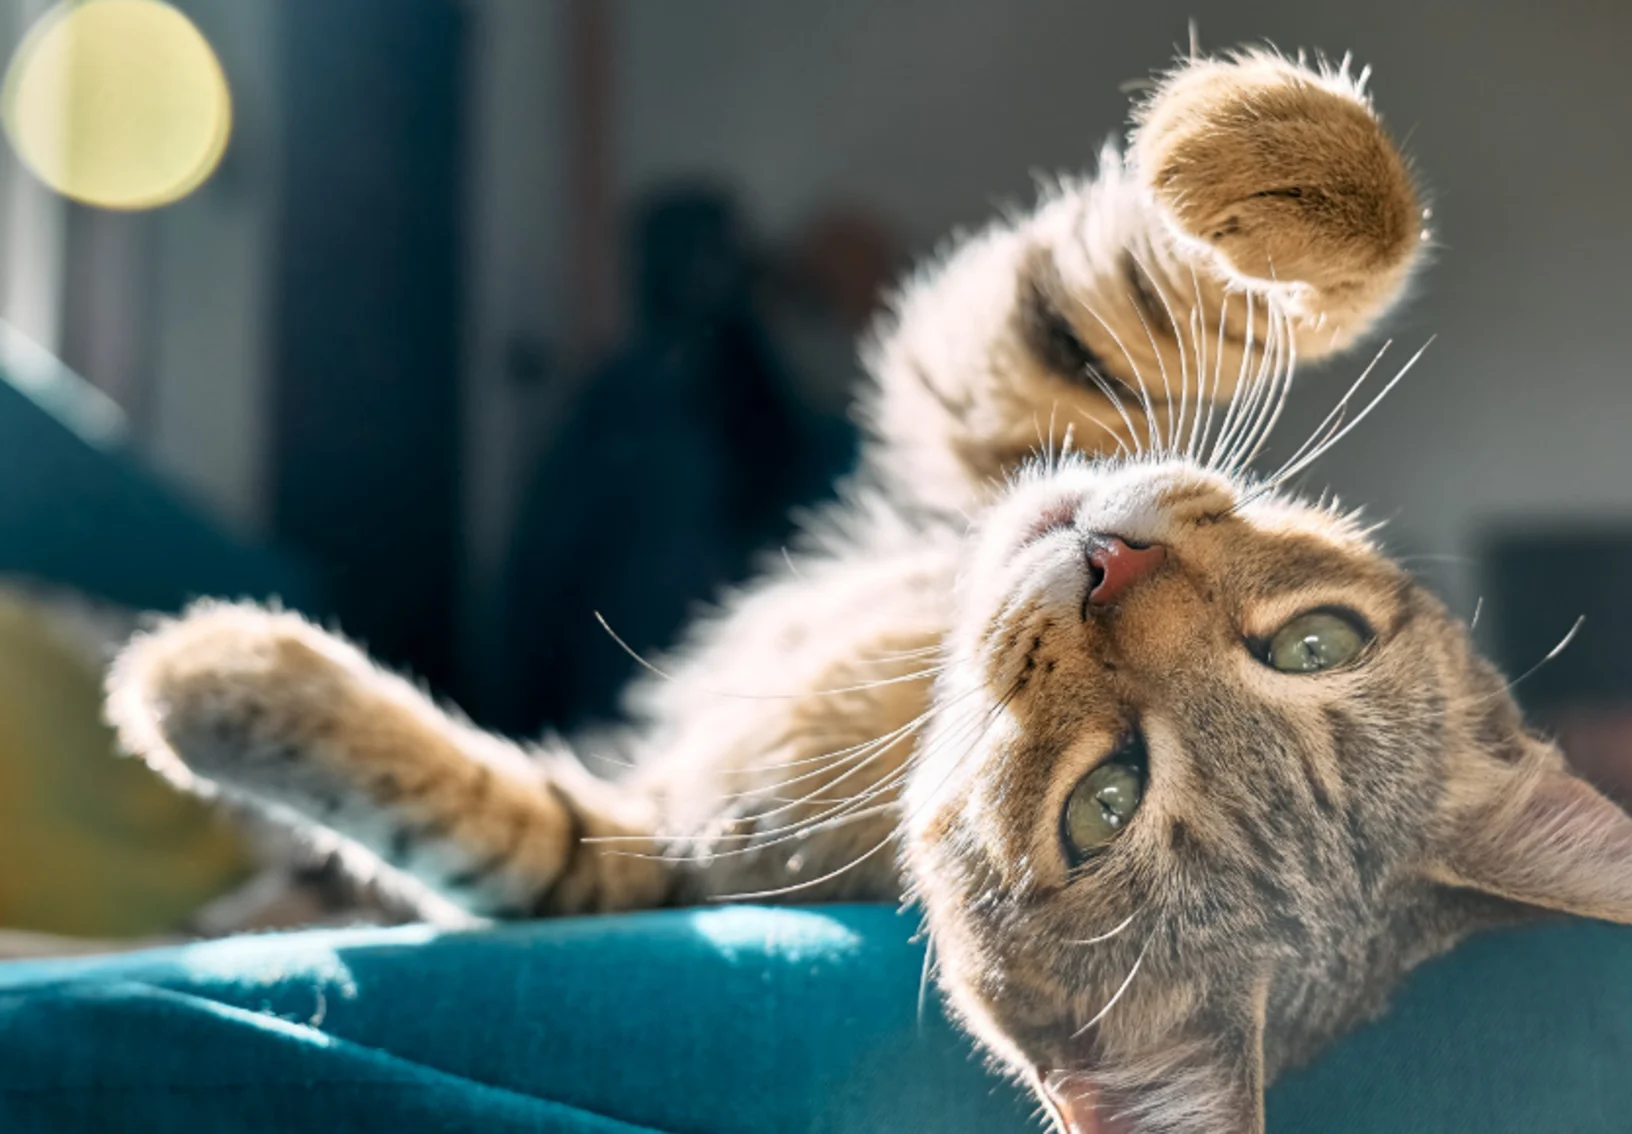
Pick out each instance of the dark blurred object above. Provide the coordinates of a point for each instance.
(844, 258)
(680, 459)
(826, 287)
(1539, 582)
(1598, 741)
(365, 315)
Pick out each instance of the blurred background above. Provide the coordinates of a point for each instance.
(460, 320)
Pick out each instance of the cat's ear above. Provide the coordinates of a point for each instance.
(1545, 837)
(1210, 1083)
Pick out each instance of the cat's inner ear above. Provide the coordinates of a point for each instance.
(1546, 838)
(1210, 1081)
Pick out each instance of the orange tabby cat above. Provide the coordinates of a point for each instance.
(1184, 774)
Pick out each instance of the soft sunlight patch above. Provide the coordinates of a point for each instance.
(117, 103)
(794, 934)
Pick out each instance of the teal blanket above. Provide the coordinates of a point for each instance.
(722, 1021)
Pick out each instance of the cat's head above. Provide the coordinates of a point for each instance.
(1207, 774)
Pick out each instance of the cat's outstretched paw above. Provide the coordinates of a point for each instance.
(1280, 172)
(230, 695)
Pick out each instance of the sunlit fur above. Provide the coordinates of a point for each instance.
(899, 708)
(1285, 868)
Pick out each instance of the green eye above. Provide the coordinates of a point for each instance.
(1101, 804)
(1315, 641)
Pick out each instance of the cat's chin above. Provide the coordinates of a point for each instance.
(1077, 1106)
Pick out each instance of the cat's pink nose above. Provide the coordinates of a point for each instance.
(1117, 565)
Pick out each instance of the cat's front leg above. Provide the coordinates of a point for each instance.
(1261, 215)
(267, 710)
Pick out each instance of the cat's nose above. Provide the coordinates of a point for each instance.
(1116, 565)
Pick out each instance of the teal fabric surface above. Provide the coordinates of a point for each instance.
(722, 1020)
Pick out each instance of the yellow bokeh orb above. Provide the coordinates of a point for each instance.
(120, 104)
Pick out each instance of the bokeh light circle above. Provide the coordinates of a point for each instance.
(120, 104)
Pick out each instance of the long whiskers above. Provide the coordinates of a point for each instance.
(1257, 397)
(901, 679)
(1161, 363)
(1563, 645)
(923, 976)
(1320, 450)
(1232, 412)
(1333, 421)
(1152, 444)
(1198, 344)
(988, 719)
(848, 809)
(1218, 375)
(1103, 937)
(1286, 366)
(761, 838)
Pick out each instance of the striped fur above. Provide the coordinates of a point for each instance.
(901, 710)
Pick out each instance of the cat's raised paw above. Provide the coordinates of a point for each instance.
(1280, 172)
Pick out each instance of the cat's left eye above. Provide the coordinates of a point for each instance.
(1104, 801)
(1317, 640)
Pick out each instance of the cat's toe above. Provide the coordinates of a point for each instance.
(226, 694)
(1282, 172)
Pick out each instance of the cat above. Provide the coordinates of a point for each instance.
(1183, 773)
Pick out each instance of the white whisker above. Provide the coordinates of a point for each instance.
(1365, 413)
(1332, 422)
(1290, 370)
(1161, 362)
(1105, 936)
(666, 676)
(1133, 366)
(1563, 644)
(1218, 376)
(1105, 1011)
(989, 719)
(1227, 428)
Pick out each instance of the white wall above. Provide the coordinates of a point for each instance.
(1517, 112)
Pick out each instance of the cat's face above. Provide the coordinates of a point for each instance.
(1207, 774)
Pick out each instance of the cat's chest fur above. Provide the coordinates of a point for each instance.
(780, 741)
